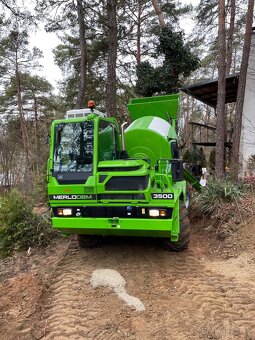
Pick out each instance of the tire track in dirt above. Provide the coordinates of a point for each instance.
(68, 309)
(211, 306)
(221, 307)
(183, 299)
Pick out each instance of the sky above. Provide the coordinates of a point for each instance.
(48, 41)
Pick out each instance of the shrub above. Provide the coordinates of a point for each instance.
(20, 228)
(39, 193)
(216, 193)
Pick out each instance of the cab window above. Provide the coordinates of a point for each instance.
(73, 149)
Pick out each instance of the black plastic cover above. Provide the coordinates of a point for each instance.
(177, 170)
(127, 183)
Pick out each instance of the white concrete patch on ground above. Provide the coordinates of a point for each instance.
(112, 279)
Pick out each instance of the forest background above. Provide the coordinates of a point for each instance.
(111, 51)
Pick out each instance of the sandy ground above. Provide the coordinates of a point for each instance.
(206, 292)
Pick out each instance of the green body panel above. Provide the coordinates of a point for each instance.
(124, 227)
(104, 169)
(148, 142)
(164, 107)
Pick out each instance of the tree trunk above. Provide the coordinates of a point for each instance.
(112, 57)
(23, 128)
(159, 13)
(138, 42)
(230, 36)
(221, 119)
(241, 90)
(37, 139)
(80, 102)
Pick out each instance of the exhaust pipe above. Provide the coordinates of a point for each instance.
(122, 135)
(123, 154)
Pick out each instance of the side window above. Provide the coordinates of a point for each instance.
(106, 141)
(175, 150)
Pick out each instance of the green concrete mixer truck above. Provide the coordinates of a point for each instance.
(105, 180)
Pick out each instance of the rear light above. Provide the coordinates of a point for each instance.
(65, 212)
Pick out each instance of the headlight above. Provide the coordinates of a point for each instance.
(65, 212)
(157, 213)
(153, 212)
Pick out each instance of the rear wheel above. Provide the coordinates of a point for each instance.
(89, 241)
(184, 236)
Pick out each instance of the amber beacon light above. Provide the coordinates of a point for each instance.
(91, 104)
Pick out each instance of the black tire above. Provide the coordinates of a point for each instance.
(184, 236)
(89, 241)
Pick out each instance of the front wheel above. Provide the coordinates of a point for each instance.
(184, 236)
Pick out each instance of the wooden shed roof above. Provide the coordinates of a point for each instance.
(206, 92)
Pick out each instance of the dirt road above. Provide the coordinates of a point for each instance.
(188, 295)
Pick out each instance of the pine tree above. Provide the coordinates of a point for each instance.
(178, 62)
(112, 57)
(16, 58)
(220, 119)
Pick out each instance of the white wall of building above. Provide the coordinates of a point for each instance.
(247, 146)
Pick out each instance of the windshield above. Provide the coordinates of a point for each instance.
(73, 147)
